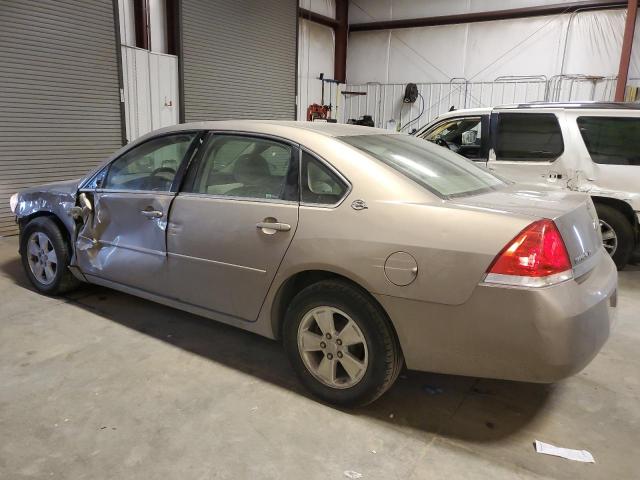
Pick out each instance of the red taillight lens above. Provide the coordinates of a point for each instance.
(537, 251)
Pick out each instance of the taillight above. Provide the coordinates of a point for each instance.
(536, 257)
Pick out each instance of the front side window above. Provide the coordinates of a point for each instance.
(239, 166)
(437, 169)
(319, 184)
(612, 140)
(461, 135)
(150, 166)
(528, 137)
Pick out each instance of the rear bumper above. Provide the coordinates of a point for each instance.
(534, 335)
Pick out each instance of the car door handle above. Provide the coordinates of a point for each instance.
(278, 227)
(151, 213)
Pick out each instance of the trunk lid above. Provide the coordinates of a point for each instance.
(573, 213)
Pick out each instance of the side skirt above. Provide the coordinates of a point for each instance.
(255, 327)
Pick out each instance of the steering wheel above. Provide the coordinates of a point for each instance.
(442, 142)
(152, 178)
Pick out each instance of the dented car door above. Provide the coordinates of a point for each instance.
(125, 211)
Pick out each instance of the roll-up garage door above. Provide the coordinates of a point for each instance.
(239, 59)
(59, 93)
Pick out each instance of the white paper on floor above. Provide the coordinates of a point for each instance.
(577, 455)
(352, 474)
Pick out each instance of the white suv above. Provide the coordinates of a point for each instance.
(586, 147)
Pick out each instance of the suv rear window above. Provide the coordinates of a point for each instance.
(611, 140)
(528, 137)
(435, 168)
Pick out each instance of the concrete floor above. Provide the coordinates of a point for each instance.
(104, 385)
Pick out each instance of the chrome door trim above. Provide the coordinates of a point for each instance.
(211, 196)
(163, 193)
(233, 265)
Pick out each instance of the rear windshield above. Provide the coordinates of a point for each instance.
(437, 169)
(612, 140)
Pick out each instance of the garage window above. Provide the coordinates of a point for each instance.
(530, 137)
(611, 140)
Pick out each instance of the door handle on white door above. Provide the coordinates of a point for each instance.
(274, 226)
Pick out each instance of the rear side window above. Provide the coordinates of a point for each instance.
(611, 140)
(528, 137)
(318, 184)
(245, 167)
(435, 168)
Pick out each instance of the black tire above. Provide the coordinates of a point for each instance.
(384, 354)
(63, 280)
(623, 230)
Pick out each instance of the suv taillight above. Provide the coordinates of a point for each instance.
(536, 257)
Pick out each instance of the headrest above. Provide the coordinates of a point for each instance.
(250, 169)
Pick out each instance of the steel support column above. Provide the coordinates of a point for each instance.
(625, 54)
(341, 35)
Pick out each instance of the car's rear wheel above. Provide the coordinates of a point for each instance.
(46, 256)
(341, 344)
(617, 234)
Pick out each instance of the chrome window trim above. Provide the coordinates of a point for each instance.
(211, 196)
(330, 167)
(162, 193)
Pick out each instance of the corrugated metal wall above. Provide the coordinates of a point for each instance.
(239, 59)
(59, 94)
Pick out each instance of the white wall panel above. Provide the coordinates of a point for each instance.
(594, 42)
(634, 66)
(323, 7)
(368, 57)
(523, 46)
(435, 54)
(158, 22)
(485, 50)
(150, 90)
(127, 22)
(316, 47)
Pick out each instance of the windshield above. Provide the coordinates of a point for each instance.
(435, 168)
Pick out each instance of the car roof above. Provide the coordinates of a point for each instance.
(573, 105)
(282, 127)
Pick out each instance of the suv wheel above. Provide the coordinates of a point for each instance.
(340, 344)
(617, 234)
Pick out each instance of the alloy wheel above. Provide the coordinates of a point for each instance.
(332, 347)
(42, 258)
(609, 238)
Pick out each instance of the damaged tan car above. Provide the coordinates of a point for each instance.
(361, 250)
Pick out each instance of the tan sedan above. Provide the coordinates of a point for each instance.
(360, 249)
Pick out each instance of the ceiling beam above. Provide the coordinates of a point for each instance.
(317, 18)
